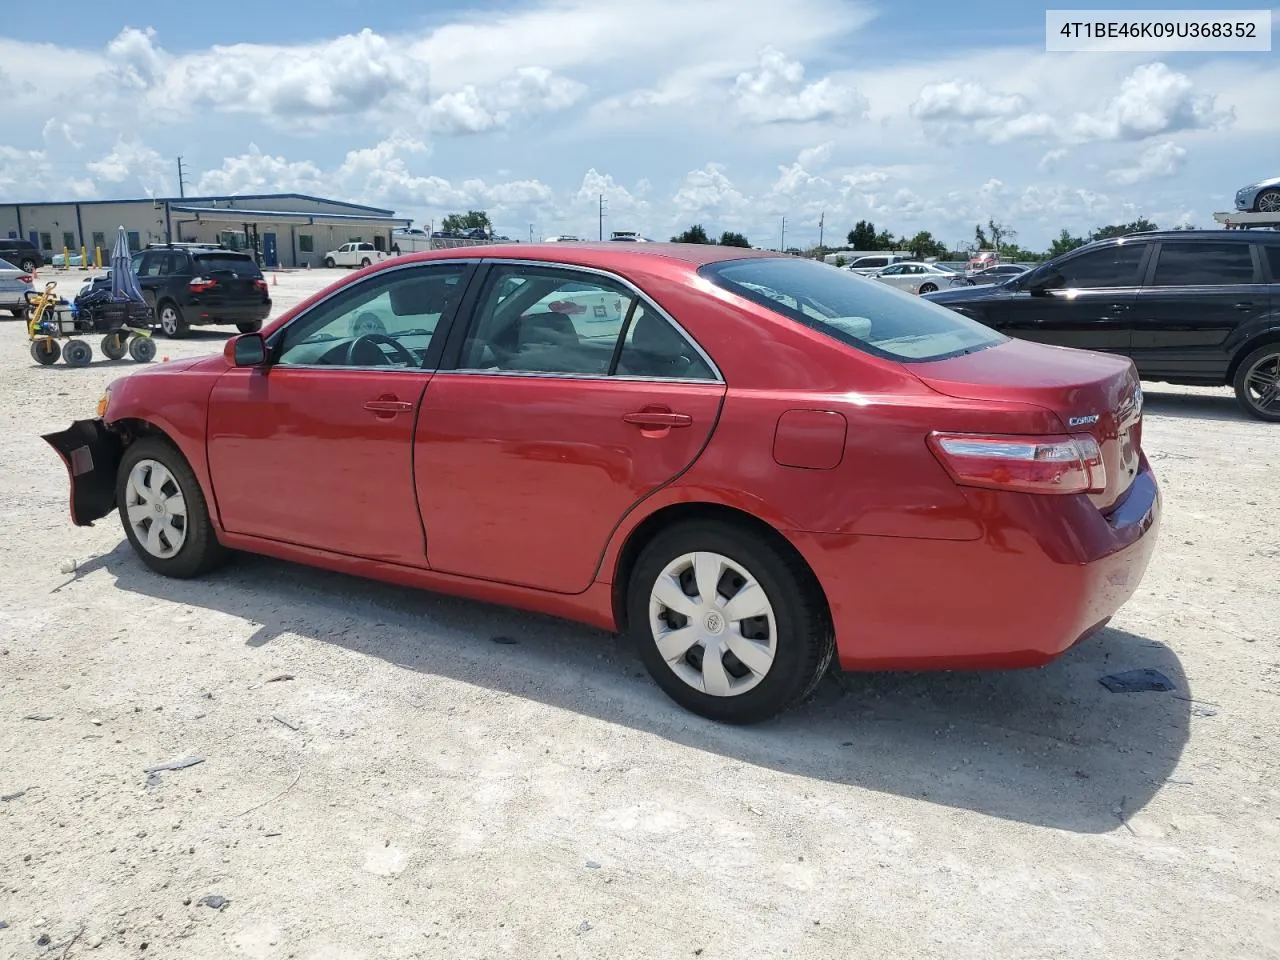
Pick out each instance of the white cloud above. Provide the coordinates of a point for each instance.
(528, 90)
(1158, 161)
(964, 100)
(708, 191)
(258, 172)
(1153, 100)
(133, 162)
(775, 92)
(814, 158)
(1049, 162)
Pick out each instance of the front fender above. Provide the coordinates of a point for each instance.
(91, 454)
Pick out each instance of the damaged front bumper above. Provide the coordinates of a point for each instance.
(92, 454)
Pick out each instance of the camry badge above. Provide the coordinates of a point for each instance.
(1082, 421)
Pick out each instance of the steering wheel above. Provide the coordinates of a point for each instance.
(365, 351)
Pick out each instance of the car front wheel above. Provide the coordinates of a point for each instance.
(1257, 383)
(729, 626)
(163, 510)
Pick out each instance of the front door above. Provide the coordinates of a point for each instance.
(317, 448)
(269, 258)
(1091, 306)
(555, 420)
(1198, 294)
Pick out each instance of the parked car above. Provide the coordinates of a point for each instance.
(871, 265)
(997, 274)
(15, 284)
(917, 277)
(355, 254)
(1188, 307)
(754, 477)
(1260, 197)
(190, 286)
(21, 253)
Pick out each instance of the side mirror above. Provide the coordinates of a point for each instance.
(247, 350)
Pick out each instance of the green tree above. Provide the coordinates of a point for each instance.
(980, 238)
(467, 221)
(1120, 229)
(695, 234)
(1001, 235)
(863, 236)
(923, 245)
(885, 240)
(731, 239)
(1065, 242)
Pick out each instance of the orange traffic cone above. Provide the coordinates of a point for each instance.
(274, 282)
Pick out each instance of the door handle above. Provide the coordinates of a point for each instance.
(1244, 305)
(657, 419)
(388, 406)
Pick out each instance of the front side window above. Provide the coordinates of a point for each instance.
(1198, 264)
(1112, 266)
(388, 320)
(862, 313)
(549, 320)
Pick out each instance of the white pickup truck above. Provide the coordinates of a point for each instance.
(355, 254)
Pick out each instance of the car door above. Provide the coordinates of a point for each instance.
(893, 276)
(1084, 301)
(1197, 294)
(151, 268)
(316, 448)
(543, 428)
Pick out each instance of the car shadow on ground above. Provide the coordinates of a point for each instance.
(1194, 406)
(1050, 747)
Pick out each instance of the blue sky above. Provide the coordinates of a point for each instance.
(732, 113)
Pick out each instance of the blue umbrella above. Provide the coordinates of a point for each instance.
(124, 285)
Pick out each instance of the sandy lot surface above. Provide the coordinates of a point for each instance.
(417, 790)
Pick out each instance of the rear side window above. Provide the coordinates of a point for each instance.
(1192, 264)
(863, 313)
(241, 266)
(1273, 258)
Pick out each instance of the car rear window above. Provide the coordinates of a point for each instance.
(238, 264)
(865, 314)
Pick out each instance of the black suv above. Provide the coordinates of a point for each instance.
(1196, 307)
(21, 253)
(199, 286)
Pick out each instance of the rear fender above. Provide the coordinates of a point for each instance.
(92, 455)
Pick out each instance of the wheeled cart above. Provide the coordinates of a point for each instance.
(125, 326)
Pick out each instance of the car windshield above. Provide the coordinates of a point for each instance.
(240, 265)
(862, 313)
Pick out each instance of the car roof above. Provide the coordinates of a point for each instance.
(1238, 236)
(598, 253)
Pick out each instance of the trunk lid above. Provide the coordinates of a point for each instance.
(1093, 393)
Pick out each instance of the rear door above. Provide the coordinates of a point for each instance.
(1197, 294)
(543, 428)
(152, 269)
(1090, 308)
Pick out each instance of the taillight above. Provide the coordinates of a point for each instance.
(1060, 464)
(260, 285)
(201, 284)
(25, 278)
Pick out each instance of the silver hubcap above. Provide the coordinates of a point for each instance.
(1269, 202)
(168, 320)
(713, 624)
(156, 509)
(1263, 383)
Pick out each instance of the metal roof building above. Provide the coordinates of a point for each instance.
(285, 229)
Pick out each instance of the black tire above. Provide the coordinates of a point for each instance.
(142, 349)
(172, 323)
(18, 312)
(77, 353)
(805, 641)
(28, 266)
(1268, 201)
(114, 346)
(200, 551)
(365, 262)
(1259, 367)
(249, 327)
(330, 262)
(928, 287)
(45, 351)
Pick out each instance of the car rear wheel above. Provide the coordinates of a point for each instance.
(28, 266)
(728, 625)
(249, 327)
(1257, 383)
(163, 510)
(18, 312)
(365, 262)
(1268, 202)
(928, 287)
(171, 320)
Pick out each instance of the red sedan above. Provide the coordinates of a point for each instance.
(751, 463)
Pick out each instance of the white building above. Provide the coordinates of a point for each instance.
(286, 229)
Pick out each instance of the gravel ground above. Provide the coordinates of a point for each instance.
(382, 780)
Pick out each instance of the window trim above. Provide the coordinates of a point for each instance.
(469, 303)
(430, 362)
(1255, 254)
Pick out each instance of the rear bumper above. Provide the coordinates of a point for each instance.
(1046, 573)
(205, 314)
(92, 455)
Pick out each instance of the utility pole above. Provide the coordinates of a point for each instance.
(602, 216)
(182, 180)
(784, 236)
(531, 233)
(821, 221)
